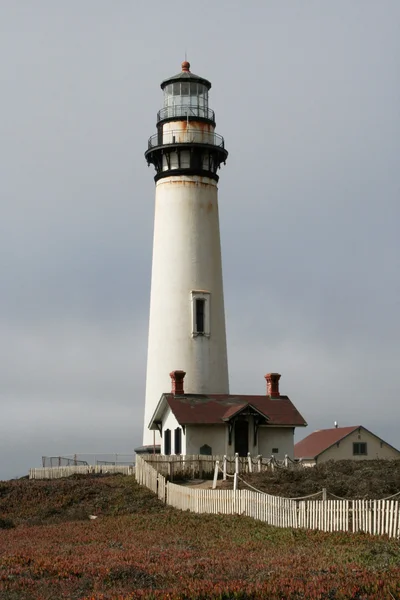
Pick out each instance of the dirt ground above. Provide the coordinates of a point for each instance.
(207, 484)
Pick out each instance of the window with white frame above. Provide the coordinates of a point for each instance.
(200, 313)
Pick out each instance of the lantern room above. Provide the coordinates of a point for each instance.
(185, 96)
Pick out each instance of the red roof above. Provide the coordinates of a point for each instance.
(315, 443)
(196, 409)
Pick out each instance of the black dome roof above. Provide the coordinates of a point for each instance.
(186, 75)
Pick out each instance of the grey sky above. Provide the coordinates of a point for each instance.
(306, 95)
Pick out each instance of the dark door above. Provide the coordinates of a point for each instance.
(242, 437)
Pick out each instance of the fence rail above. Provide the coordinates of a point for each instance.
(101, 458)
(59, 472)
(377, 517)
(186, 466)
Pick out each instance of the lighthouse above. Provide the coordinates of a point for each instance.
(187, 316)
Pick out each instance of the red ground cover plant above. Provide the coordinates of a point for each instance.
(138, 548)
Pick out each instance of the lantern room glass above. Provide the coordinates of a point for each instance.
(186, 97)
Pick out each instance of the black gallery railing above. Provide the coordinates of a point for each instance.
(169, 112)
(188, 136)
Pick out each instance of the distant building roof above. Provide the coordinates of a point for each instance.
(213, 409)
(319, 441)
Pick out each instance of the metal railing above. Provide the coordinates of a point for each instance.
(104, 458)
(188, 136)
(190, 110)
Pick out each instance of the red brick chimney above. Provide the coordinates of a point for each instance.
(273, 384)
(177, 382)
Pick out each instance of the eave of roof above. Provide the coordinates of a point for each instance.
(158, 413)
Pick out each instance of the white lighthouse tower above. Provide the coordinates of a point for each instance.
(187, 317)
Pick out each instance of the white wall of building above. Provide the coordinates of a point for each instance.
(276, 437)
(217, 437)
(186, 258)
(170, 422)
(212, 435)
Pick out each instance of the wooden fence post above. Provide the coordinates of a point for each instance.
(171, 470)
(236, 462)
(324, 494)
(215, 474)
(224, 469)
(259, 460)
(286, 460)
(235, 482)
(249, 462)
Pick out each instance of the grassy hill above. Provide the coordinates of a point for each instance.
(74, 498)
(139, 548)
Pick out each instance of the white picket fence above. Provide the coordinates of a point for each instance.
(59, 472)
(377, 517)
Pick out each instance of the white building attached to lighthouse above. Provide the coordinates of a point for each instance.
(187, 317)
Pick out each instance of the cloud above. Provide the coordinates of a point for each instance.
(71, 387)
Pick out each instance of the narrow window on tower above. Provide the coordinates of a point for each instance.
(200, 313)
(196, 160)
(200, 305)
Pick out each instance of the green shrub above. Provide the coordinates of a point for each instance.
(6, 523)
